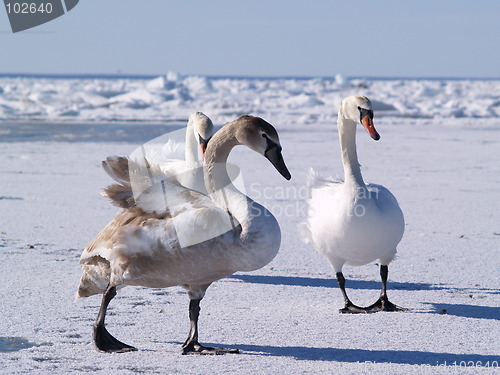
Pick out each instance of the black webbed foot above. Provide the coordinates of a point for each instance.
(194, 347)
(105, 342)
(351, 308)
(383, 304)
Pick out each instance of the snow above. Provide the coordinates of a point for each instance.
(438, 154)
(170, 97)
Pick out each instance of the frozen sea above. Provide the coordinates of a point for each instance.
(439, 154)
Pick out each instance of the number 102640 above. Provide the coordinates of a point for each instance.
(28, 8)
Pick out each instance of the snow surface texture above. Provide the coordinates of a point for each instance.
(284, 318)
(292, 101)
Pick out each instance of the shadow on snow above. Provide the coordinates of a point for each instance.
(466, 311)
(330, 282)
(411, 357)
(462, 310)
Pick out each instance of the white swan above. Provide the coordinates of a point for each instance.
(352, 222)
(198, 132)
(141, 248)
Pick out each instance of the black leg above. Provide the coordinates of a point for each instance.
(103, 340)
(383, 303)
(349, 307)
(192, 346)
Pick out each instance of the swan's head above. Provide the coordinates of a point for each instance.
(203, 129)
(261, 137)
(359, 109)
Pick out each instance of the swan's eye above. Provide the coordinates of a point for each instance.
(270, 144)
(365, 112)
(202, 140)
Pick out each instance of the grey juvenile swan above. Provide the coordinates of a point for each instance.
(143, 248)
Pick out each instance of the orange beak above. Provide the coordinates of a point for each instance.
(368, 124)
(203, 148)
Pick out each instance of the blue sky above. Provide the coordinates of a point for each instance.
(447, 38)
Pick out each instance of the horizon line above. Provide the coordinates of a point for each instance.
(232, 76)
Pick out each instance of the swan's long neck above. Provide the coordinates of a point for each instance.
(347, 132)
(256, 228)
(215, 160)
(191, 147)
(217, 181)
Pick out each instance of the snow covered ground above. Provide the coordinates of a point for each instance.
(438, 153)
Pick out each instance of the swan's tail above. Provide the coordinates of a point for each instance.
(95, 277)
(305, 231)
(315, 181)
(120, 194)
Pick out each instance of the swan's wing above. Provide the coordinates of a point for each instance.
(141, 177)
(383, 197)
(195, 220)
(148, 249)
(152, 187)
(132, 179)
(116, 229)
(195, 217)
(187, 174)
(120, 195)
(117, 168)
(136, 182)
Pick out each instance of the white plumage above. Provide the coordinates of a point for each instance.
(351, 222)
